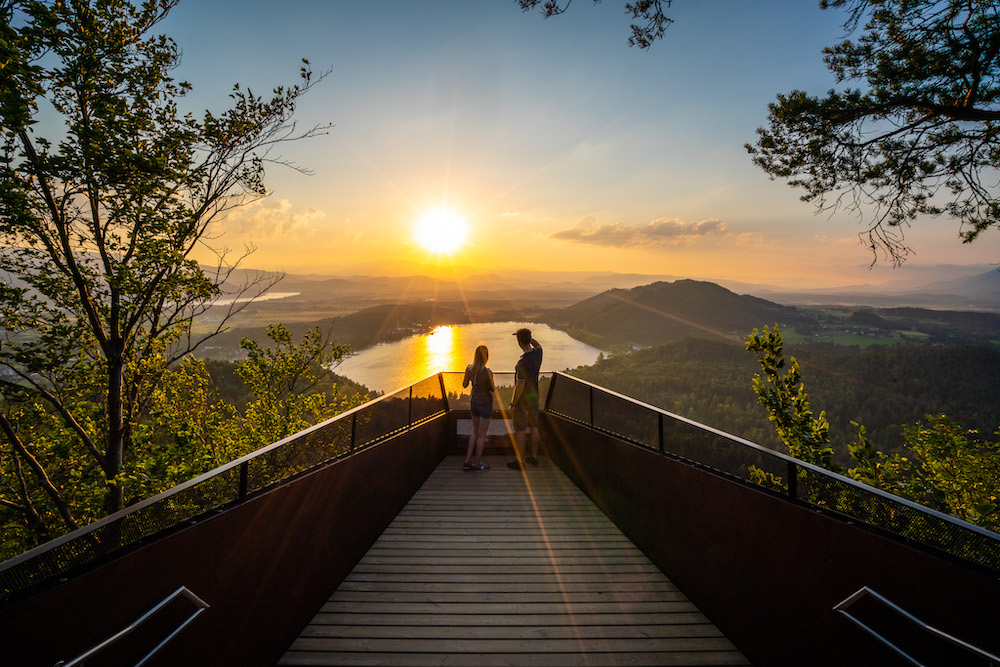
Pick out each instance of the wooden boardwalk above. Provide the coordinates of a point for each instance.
(500, 568)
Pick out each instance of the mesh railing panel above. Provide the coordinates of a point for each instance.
(898, 517)
(626, 419)
(392, 416)
(713, 450)
(313, 448)
(644, 425)
(428, 400)
(367, 425)
(570, 399)
(458, 398)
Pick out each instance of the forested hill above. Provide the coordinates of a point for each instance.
(880, 387)
(663, 312)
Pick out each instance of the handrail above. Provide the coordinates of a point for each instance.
(275, 463)
(688, 440)
(803, 482)
(842, 607)
(183, 590)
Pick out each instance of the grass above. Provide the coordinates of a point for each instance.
(862, 341)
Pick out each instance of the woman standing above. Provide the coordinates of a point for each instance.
(481, 379)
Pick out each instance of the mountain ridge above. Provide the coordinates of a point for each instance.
(679, 309)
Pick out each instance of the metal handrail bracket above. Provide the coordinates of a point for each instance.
(842, 608)
(183, 590)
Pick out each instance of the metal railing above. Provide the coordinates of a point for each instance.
(118, 636)
(349, 432)
(843, 606)
(458, 397)
(581, 402)
(650, 427)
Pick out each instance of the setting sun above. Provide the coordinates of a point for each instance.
(441, 231)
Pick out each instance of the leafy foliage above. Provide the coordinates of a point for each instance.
(106, 188)
(787, 404)
(919, 134)
(650, 20)
(942, 465)
(199, 416)
(284, 377)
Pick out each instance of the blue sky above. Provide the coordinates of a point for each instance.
(560, 145)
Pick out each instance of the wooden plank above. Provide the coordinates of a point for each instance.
(498, 608)
(515, 632)
(507, 568)
(579, 659)
(516, 578)
(463, 620)
(462, 644)
(548, 569)
(656, 587)
(490, 597)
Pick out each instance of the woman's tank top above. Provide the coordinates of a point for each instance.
(482, 390)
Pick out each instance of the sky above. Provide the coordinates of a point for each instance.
(557, 145)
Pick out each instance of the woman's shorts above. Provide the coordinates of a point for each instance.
(482, 410)
(525, 417)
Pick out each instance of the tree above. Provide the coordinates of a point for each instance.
(650, 21)
(918, 135)
(99, 218)
(189, 428)
(286, 379)
(787, 404)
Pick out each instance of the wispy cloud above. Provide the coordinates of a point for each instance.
(277, 220)
(664, 231)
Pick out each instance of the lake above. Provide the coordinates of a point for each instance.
(390, 366)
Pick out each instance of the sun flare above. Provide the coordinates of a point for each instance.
(441, 231)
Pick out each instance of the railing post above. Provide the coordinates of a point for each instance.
(444, 392)
(591, 391)
(793, 480)
(354, 429)
(659, 429)
(409, 410)
(244, 478)
(548, 394)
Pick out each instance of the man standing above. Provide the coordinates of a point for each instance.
(524, 404)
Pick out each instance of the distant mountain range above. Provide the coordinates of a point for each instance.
(971, 292)
(953, 288)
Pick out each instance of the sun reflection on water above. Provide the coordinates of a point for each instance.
(439, 349)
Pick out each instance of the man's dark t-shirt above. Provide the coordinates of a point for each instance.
(527, 370)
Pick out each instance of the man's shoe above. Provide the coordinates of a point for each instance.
(513, 465)
(532, 460)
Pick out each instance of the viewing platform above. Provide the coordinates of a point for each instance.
(504, 568)
(642, 538)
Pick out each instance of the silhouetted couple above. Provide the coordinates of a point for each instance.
(523, 405)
